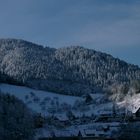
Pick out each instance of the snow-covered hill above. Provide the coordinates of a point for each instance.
(71, 70)
(48, 103)
(35, 99)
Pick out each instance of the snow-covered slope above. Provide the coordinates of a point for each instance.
(36, 98)
(52, 103)
(21, 92)
(48, 103)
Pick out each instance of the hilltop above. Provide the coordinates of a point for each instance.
(71, 70)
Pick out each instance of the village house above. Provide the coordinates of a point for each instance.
(93, 98)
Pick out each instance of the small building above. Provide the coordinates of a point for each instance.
(138, 113)
(63, 119)
(134, 109)
(94, 98)
(91, 134)
(88, 98)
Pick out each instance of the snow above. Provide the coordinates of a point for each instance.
(16, 90)
(21, 92)
(34, 98)
(85, 130)
(131, 103)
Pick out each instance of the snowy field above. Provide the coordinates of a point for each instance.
(34, 98)
(42, 101)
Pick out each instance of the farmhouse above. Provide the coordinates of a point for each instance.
(92, 98)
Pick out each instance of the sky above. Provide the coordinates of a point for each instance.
(111, 26)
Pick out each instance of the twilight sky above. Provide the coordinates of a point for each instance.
(111, 26)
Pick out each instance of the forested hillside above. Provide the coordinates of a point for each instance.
(70, 70)
(16, 120)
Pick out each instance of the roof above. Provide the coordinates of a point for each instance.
(97, 95)
(94, 96)
(62, 117)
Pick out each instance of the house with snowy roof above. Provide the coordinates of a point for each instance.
(131, 106)
(93, 98)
